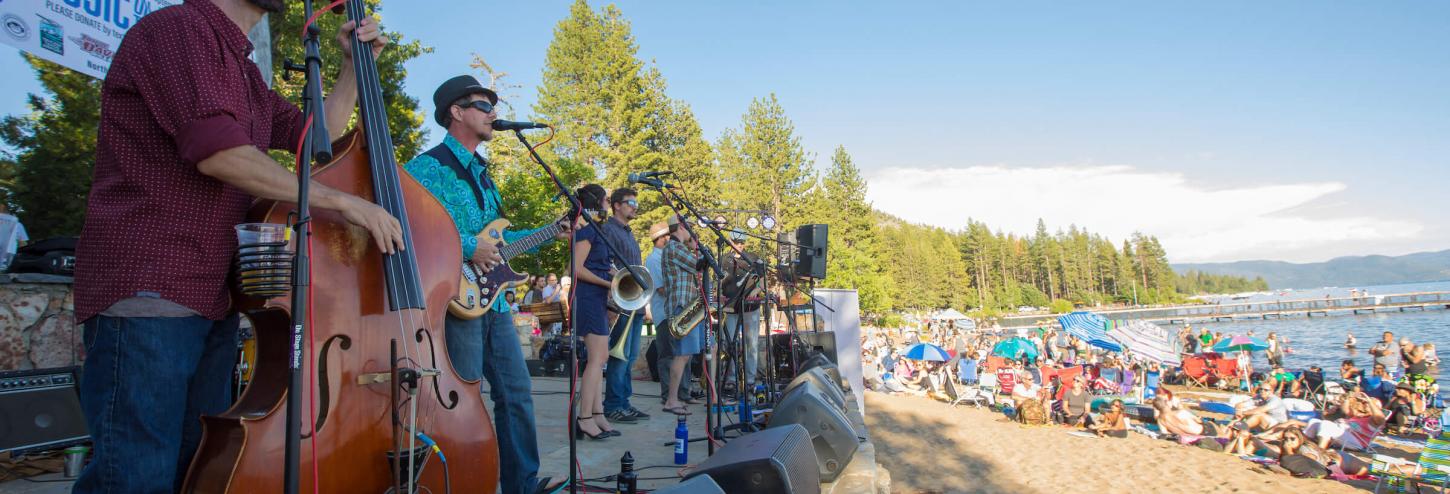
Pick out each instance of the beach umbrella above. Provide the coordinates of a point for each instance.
(1015, 348)
(1148, 341)
(1238, 343)
(927, 351)
(1091, 328)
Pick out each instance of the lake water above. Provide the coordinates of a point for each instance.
(1320, 340)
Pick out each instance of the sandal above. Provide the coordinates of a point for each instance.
(580, 434)
(677, 410)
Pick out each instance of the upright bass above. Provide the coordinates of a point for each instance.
(375, 319)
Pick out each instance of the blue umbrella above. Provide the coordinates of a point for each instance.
(927, 351)
(1015, 348)
(1090, 327)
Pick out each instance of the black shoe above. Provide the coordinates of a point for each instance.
(620, 416)
(611, 433)
(638, 415)
(580, 434)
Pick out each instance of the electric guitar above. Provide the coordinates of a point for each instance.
(477, 290)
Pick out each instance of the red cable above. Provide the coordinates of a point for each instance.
(318, 13)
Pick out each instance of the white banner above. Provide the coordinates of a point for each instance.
(841, 314)
(82, 35)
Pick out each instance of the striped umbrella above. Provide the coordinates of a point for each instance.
(927, 351)
(1147, 340)
(1091, 328)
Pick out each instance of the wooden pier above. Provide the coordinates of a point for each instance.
(1274, 309)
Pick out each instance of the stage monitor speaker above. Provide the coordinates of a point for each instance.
(831, 433)
(699, 484)
(809, 343)
(779, 460)
(818, 378)
(40, 410)
(811, 240)
(788, 256)
(830, 368)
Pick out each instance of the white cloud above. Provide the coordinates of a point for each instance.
(1194, 222)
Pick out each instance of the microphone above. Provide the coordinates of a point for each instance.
(649, 178)
(503, 125)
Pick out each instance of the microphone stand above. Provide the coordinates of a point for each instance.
(316, 145)
(569, 321)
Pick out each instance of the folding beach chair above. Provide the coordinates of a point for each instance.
(1196, 372)
(967, 371)
(1225, 370)
(988, 382)
(1433, 468)
(1126, 387)
(1005, 381)
(1150, 386)
(974, 394)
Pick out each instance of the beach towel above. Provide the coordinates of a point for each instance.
(1081, 434)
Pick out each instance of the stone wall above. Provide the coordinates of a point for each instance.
(37, 323)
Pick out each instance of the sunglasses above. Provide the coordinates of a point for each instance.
(480, 105)
(631, 202)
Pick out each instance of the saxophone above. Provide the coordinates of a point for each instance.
(687, 320)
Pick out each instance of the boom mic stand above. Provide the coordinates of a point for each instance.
(674, 200)
(569, 321)
(316, 145)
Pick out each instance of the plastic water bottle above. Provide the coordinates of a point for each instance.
(682, 442)
(627, 481)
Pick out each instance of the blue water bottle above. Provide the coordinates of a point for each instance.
(682, 442)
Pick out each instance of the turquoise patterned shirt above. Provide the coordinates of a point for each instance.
(457, 197)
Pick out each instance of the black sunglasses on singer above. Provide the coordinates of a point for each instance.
(480, 105)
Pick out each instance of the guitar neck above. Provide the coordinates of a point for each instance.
(529, 242)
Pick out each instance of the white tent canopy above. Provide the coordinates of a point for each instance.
(948, 315)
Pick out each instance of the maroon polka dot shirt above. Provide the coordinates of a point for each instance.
(180, 89)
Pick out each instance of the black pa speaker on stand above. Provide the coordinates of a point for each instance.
(811, 240)
(779, 460)
(831, 433)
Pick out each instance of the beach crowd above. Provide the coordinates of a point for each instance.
(1304, 422)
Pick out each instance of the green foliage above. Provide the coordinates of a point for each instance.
(405, 119)
(1197, 283)
(613, 117)
(1060, 306)
(764, 166)
(47, 179)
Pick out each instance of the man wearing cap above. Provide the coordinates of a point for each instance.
(744, 313)
(485, 347)
(618, 384)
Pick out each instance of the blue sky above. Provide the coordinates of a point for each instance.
(1233, 130)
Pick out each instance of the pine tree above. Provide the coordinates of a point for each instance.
(852, 260)
(763, 165)
(55, 150)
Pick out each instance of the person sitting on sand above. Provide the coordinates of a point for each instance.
(1406, 406)
(1113, 423)
(1285, 382)
(1361, 420)
(1175, 419)
(1075, 403)
(1291, 440)
(1268, 412)
(1348, 372)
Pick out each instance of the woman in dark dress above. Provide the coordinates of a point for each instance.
(591, 272)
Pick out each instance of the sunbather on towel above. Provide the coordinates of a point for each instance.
(1362, 421)
(1114, 422)
(1269, 412)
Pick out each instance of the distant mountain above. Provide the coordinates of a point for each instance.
(1340, 271)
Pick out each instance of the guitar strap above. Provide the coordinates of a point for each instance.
(444, 155)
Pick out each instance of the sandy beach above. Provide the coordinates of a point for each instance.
(930, 447)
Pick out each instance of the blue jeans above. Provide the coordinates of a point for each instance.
(147, 381)
(618, 384)
(488, 346)
(752, 341)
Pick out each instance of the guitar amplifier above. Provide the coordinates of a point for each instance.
(40, 410)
